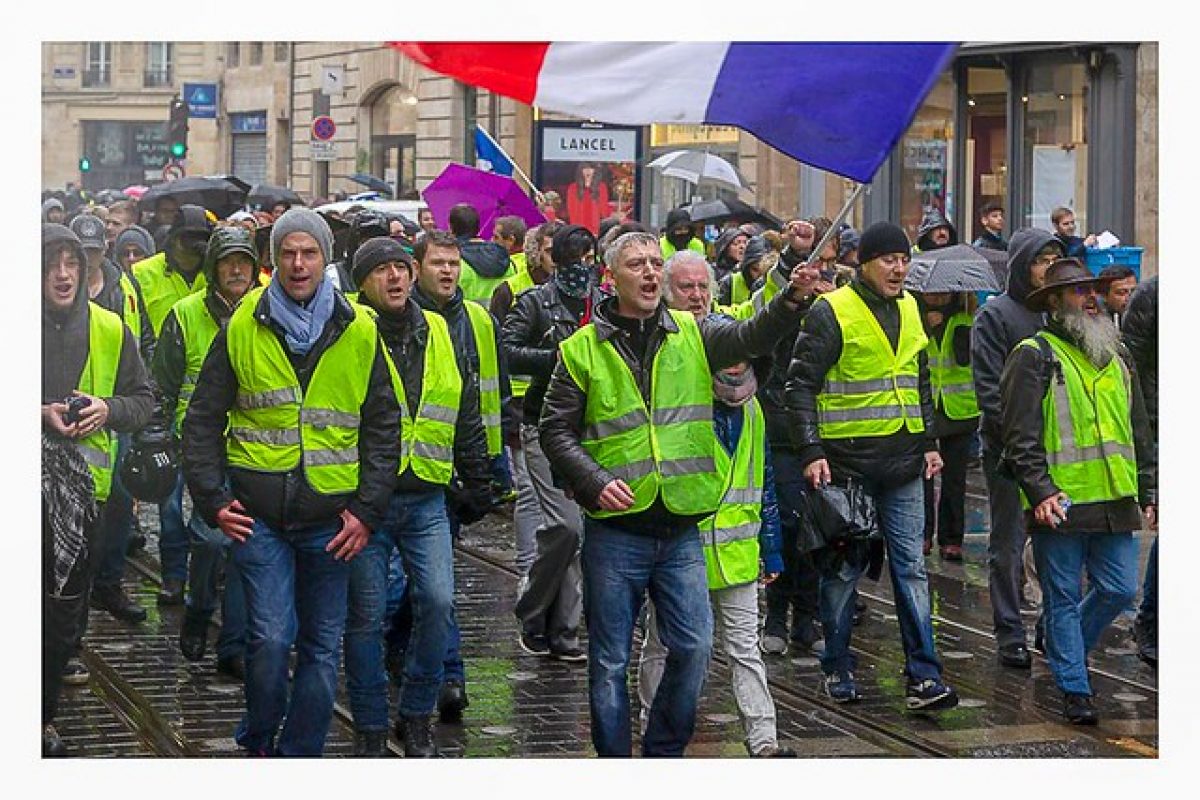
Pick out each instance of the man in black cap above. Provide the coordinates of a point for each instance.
(442, 434)
(1077, 439)
(859, 395)
(678, 235)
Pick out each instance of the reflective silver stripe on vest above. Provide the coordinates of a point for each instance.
(611, 427)
(679, 414)
(749, 496)
(281, 437)
(432, 411)
(745, 531)
(489, 385)
(687, 466)
(873, 385)
(957, 387)
(189, 380)
(1071, 453)
(856, 414)
(330, 458)
(275, 397)
(433, 452)
(634, 471)
(329, 418)
(491, 420)
(100, 459)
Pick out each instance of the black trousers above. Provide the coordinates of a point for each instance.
(800, 582)
(946, 514)
(64, 617)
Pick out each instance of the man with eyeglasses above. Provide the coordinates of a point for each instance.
(1077, 437)
(1002, 323)
(861, 408)
(627, 424)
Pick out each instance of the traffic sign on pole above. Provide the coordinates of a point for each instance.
(323, 128)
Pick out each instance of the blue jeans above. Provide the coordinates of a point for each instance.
(211, 554)
(416, 524)
(902, 518)
(1074, 624)
(173, 535)
(618, 569)
(116, 525)
(398, 628)
(293, 586)
(1148, 611)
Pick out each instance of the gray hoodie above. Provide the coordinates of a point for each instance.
(1001, 324)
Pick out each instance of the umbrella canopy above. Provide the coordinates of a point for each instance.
(492, 195)
(265, 196)
(218, 195)
(731, 209)
(998, 259)
(136, 191)
(371, 182)
(695, 166)
(958, 268)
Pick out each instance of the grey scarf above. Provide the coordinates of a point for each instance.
(734, 390)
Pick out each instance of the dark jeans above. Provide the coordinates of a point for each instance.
(173, 539)
(798, 586)
(1006, 545)
(1148, 611)
(116, 526)
(946, 514)
(61, 613)
(212, 556)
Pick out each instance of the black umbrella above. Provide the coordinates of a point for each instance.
(219, 195)
(958, 268)
(265, 196)
(371, 182)
(998, 259)
(715, 211)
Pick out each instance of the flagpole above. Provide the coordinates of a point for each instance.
(838, 220)
(516, 166)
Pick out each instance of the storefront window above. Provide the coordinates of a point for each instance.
(987, 146)
(1054, 143)
(926, 176)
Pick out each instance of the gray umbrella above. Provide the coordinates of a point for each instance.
(958, 268)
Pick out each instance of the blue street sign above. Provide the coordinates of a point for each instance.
(201, 99)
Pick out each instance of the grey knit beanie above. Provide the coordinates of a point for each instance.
(302, 220)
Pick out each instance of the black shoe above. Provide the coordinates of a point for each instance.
(75, 673)
(1080, 710)
(118, 604)
(52, 744)
(171, 593)
(574, 654)
(233, 666)
(860, 611)
(1015, 655)
(193, 637)
(452, 701)
(534, 644)
(371, 744)
(1039, 640)
(136, 543)
(417, 735)
(1146, 636)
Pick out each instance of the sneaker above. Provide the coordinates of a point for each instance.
(573, 654)
(118, 604)
(841, 688)
(773, 645)
(75, 673)
(534, 644)
(775, 751)
(951, 552)
(929, 695)
(807, 639)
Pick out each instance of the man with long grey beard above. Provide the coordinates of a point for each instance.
(1077, 440)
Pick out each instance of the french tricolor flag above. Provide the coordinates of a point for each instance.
(839, 106)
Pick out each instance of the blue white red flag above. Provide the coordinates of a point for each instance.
(839, 106)
(489, 155)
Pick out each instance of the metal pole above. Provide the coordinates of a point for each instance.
(841, 216)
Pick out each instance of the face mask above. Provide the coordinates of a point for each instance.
(575, 280)
(679, 240)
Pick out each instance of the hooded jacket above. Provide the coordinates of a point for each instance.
(933, 220)
(488, 259)
(1140, 333)
(1000, 324)
(112, 298)
(725, 343)
(891, 460)
(285, 501)
(724, 265)
(49, 203)
(134, 234)
(1023, 384)
(65, 345)
(757, 248)
(191, 219)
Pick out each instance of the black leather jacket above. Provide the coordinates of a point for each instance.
(532, 330)
(1140, 332)
(726, 342)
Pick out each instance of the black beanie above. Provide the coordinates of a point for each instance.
(880, 239)
(375, 251)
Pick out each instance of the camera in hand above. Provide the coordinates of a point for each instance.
(75, 406)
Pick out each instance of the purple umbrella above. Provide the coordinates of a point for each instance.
(492, 195)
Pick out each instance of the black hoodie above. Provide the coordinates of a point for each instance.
(1000, 324)
(65, 344)
(932, 221)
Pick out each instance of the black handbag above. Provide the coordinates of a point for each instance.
(836, 515)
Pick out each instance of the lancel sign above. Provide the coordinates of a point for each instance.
(575, 144)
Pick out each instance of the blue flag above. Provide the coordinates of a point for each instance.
(489, 156)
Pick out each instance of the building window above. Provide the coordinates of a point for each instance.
(232, 54)
(1056, 101)
(281, 52)
(256, 53)
(98, 69)
(926, 166)
(986, 167)
(158, 64)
